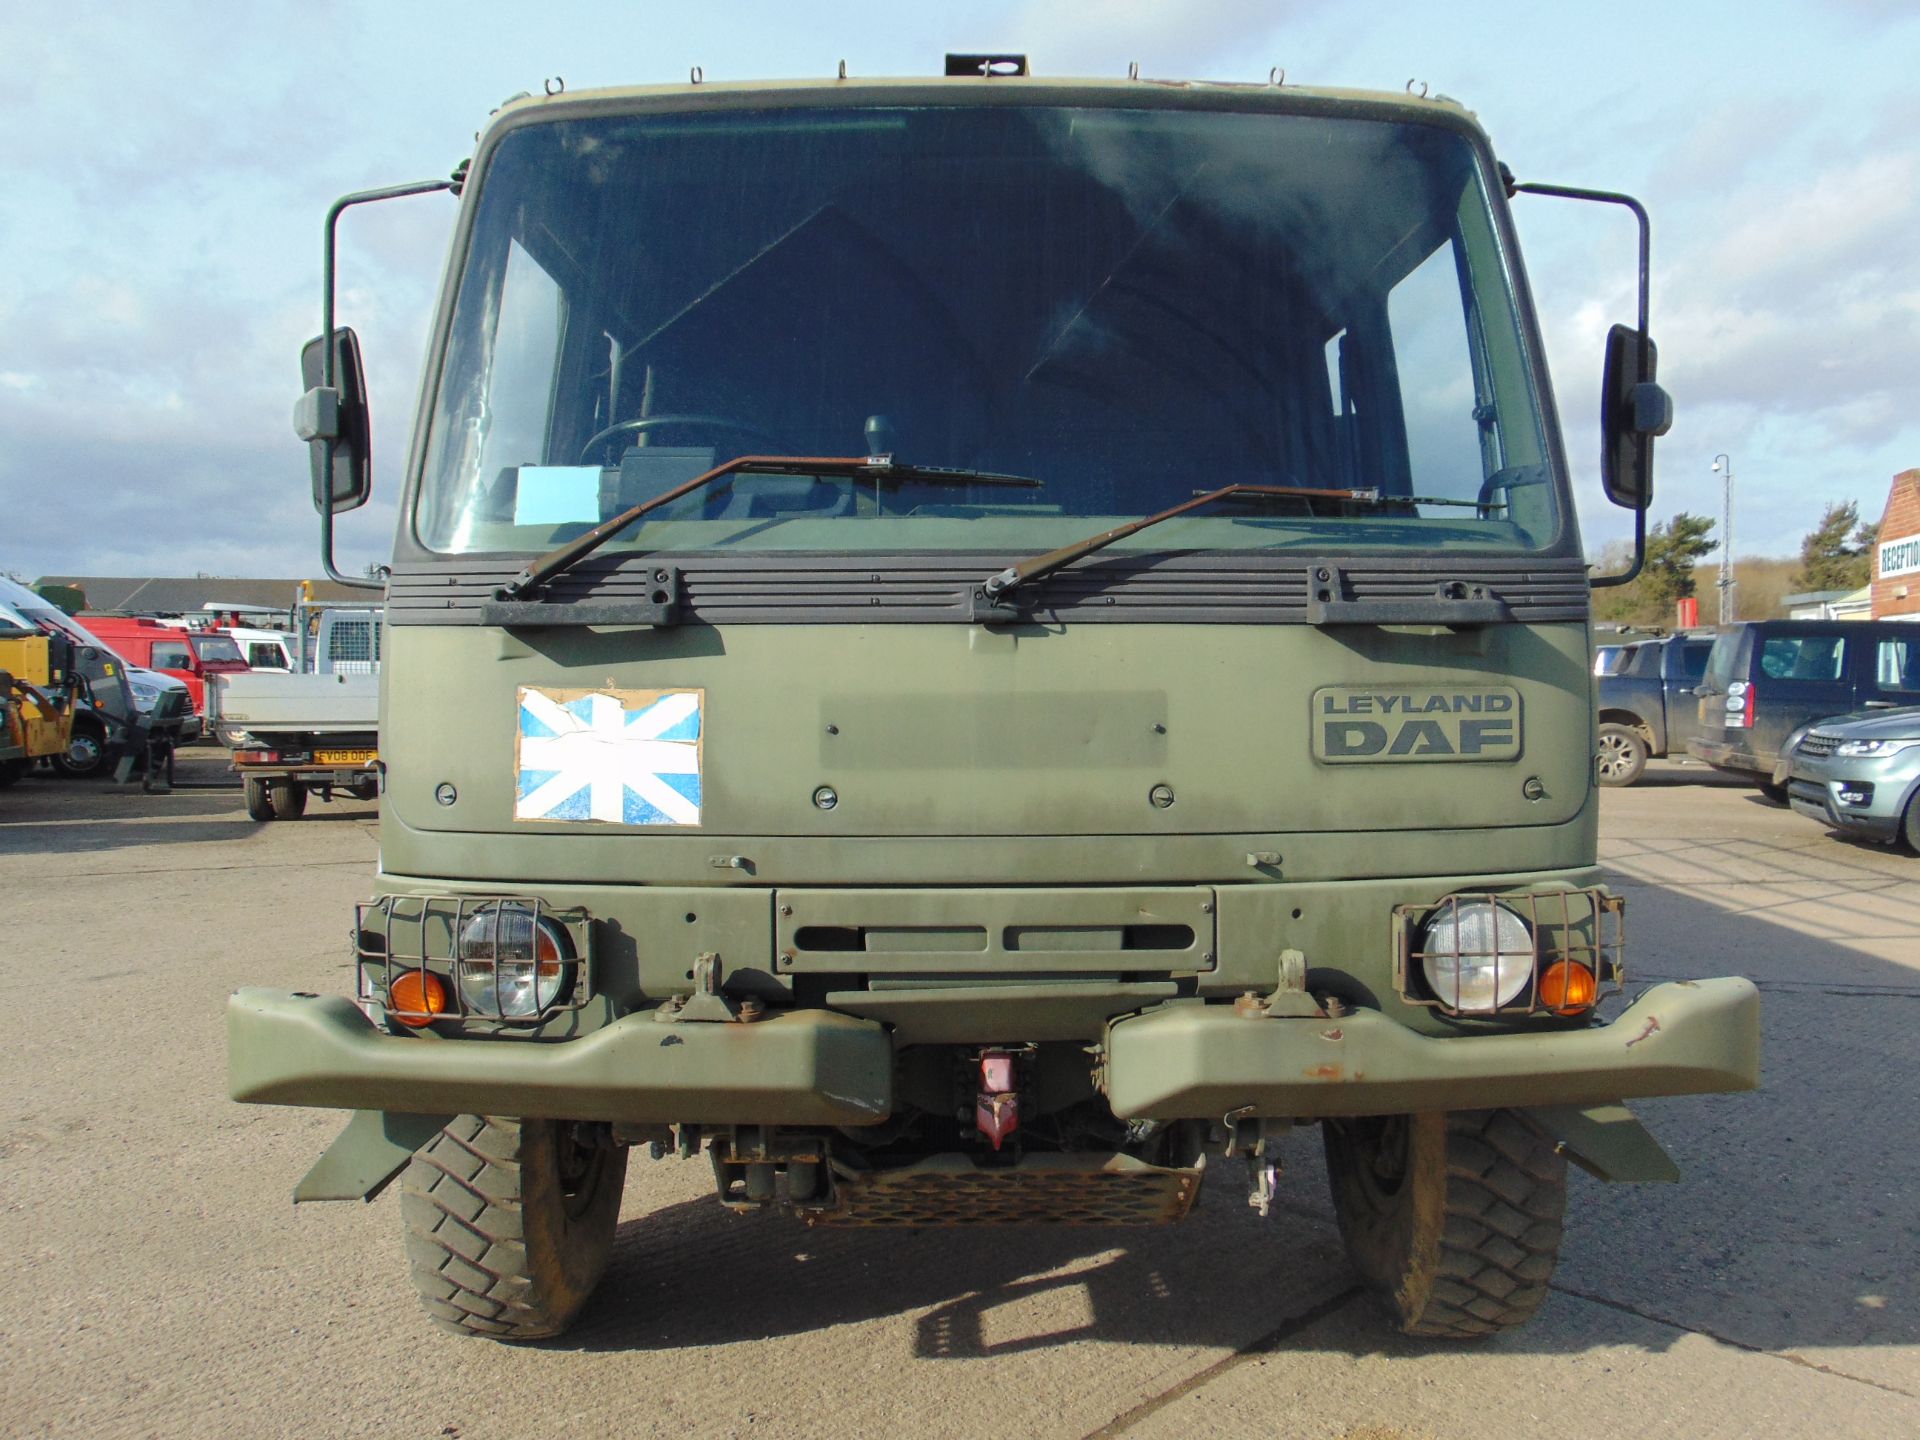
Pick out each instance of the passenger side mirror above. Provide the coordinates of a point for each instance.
(1633, 410)
(333, 420)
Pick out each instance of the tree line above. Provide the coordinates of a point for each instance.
(1837, 554)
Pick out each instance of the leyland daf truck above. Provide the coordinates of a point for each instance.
(981, 650)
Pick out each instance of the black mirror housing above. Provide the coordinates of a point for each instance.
(335, 418)
(1634, 409)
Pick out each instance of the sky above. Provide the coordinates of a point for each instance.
(169, 165)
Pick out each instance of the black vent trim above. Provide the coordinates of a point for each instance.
(894, 589)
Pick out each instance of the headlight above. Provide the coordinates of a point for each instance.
(512, 965)
(1878, 749)
(1477, 955)
(144, 696)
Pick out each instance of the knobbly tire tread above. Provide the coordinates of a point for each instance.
(489, 1242)
(1468, 1246)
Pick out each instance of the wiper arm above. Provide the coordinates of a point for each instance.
(1032, 568)
(881, 469)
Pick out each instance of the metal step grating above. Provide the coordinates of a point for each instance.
(1040, 1190)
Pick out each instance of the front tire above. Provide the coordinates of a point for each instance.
(86, 753)
(1910, 826)
(1453, 1220)
(508, 1224)
(1623, 755)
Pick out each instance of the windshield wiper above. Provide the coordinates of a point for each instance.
(881, 469)
(995, 586)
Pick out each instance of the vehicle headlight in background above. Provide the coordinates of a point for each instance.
(144, 696)
(1876, 749)
(511, 964)
(1477, 955)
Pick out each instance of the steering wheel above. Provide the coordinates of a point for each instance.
(641, 426)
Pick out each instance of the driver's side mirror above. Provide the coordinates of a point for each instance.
(334, 417)
(1633, 410)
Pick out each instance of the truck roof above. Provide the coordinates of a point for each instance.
(1114, 94)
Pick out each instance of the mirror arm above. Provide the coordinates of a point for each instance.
(328, 379)
(1614, 197)
(1632, 572)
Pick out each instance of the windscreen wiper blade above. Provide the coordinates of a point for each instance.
(997, 585)
(881, 469)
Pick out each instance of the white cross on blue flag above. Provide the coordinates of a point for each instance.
(624, 757)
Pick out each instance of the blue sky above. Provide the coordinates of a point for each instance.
(168, 166)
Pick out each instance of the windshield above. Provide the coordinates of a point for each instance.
(1130, 306)
(218, 652)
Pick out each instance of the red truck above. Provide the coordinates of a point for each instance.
(190, 655)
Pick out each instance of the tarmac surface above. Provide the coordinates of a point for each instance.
(160, 1282)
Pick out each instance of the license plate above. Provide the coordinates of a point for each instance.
(344, 757)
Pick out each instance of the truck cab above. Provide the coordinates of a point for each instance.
(976, 651)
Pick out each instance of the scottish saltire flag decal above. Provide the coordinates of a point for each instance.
(624, 757)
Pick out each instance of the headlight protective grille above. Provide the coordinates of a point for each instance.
(509, 959)
(1573, 955)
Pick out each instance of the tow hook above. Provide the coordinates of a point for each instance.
(996, 1110)
(1258, 1138)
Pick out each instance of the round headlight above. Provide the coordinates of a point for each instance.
(512, 966)
(1477, 955)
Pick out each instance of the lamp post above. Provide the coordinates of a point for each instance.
(1723, 466)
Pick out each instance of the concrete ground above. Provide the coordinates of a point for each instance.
(159, 1282)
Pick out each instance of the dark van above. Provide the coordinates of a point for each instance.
(1765, 678)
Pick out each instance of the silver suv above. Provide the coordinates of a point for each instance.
(1861, 775)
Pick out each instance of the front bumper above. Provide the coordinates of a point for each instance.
(804, 1067)
(1204, 1062)
(1814, 785)
(817, 1067)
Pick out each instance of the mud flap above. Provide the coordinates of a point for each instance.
(1606, 1141)
(363, 1161)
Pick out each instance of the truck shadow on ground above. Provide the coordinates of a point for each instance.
(1793, 1228)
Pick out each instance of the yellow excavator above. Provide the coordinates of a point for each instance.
(38, 692)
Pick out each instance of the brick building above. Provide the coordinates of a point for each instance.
(1896, 558)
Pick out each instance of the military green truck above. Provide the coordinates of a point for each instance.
(980, 649)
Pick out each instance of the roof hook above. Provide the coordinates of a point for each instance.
(696, 75)
(556, 86)
(1277, 76)
(1423, 88)
(1133, 70)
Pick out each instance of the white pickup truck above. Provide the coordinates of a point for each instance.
(313, 730)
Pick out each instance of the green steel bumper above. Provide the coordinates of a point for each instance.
(1205, 1061)
(809, 1067)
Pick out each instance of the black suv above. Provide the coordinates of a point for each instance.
(1765, 678)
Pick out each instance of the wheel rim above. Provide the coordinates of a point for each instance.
(83, 752)
(580, 1167)
(1378, 1148)
(1616, 756)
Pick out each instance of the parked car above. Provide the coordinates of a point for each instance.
(1766, 677)
(187, 655)
(1647, 704)
(1861, 775)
